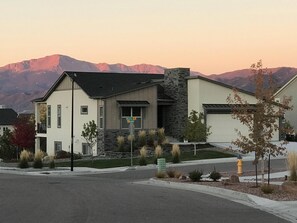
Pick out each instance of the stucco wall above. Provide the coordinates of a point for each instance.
(63, 134)
(290, 90)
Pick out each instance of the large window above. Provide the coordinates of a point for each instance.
(59, 120)
(135, 112)
(101, 115)
(49, 113)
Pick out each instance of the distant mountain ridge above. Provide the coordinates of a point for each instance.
(24, 81)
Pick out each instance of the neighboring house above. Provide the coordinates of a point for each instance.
(289, 90)
(108, 99)
(210, 98)
(8, 118)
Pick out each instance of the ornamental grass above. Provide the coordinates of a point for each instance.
(292, 165)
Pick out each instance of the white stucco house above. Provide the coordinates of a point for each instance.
(154, 100)
(289, 90)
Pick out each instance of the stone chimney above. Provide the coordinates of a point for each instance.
(176, 87)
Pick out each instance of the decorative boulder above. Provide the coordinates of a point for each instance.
(234, 179)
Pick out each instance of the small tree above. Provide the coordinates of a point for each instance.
(7, 150)
(196, 130)
(261, 118)
(23, 135)
(90, 134)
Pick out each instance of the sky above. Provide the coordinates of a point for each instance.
(209, 36)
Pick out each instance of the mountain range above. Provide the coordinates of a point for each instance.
(24, 81)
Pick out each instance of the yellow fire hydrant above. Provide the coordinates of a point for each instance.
(239, 165)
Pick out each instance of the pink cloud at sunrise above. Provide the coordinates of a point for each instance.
(208, 36)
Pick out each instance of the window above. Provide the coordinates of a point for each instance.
(127, 112)
(59, 116)
(86, 150)
(84, 110)
(101, 115)
(58, 146)
(49, 116)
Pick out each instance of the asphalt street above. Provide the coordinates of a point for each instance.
(117, 197)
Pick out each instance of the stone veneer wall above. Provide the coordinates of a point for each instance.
(176, 86)
(110, 138)
(100, 142)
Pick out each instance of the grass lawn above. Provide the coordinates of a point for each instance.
(109, 163)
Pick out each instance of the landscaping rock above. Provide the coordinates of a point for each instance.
(290, 186)
(234, 179)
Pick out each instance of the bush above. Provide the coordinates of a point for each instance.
(151, 137)
(121, 142)
(214, 175)
(143, 153)
(161, 136)
(160, 174)
(158, 153)
(64, 155)
(195, 175)
(266, 189)
(38, 159)
(52, 164)
(171, 173)
(141, 138)
(175, 153)
(24, 157)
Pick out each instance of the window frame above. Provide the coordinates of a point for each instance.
(89, 149)
(124, 118)
(49, 116)
(59, 116)
(101, 117)
(84, 107)
(56, 144)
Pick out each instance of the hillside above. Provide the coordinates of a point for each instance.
(24, 81)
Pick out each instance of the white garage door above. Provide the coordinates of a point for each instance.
(223, 128)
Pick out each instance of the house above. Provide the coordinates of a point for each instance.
(108, 99)
(7, 119)
(154, 100)
(289, 90)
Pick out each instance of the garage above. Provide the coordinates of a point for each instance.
(223, 126)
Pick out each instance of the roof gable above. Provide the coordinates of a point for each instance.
(7, 116)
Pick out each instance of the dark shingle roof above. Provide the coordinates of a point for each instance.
(103, 85)
(7, 116)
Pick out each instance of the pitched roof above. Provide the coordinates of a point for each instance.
(103, 85)
(7, 116)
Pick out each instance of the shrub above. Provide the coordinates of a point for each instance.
(175, 153)
(160, 174)
(214, 175)
(151, 137)
(52, 164)
(161, 136)
(171, 173)
(24, 157)
(292, 165)
(38, 159)
(61, 154)
(143, 153)
(121, 142)
(177, 174)
(195, 175)
(158, 153)
(266, 189)
(141, 138)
